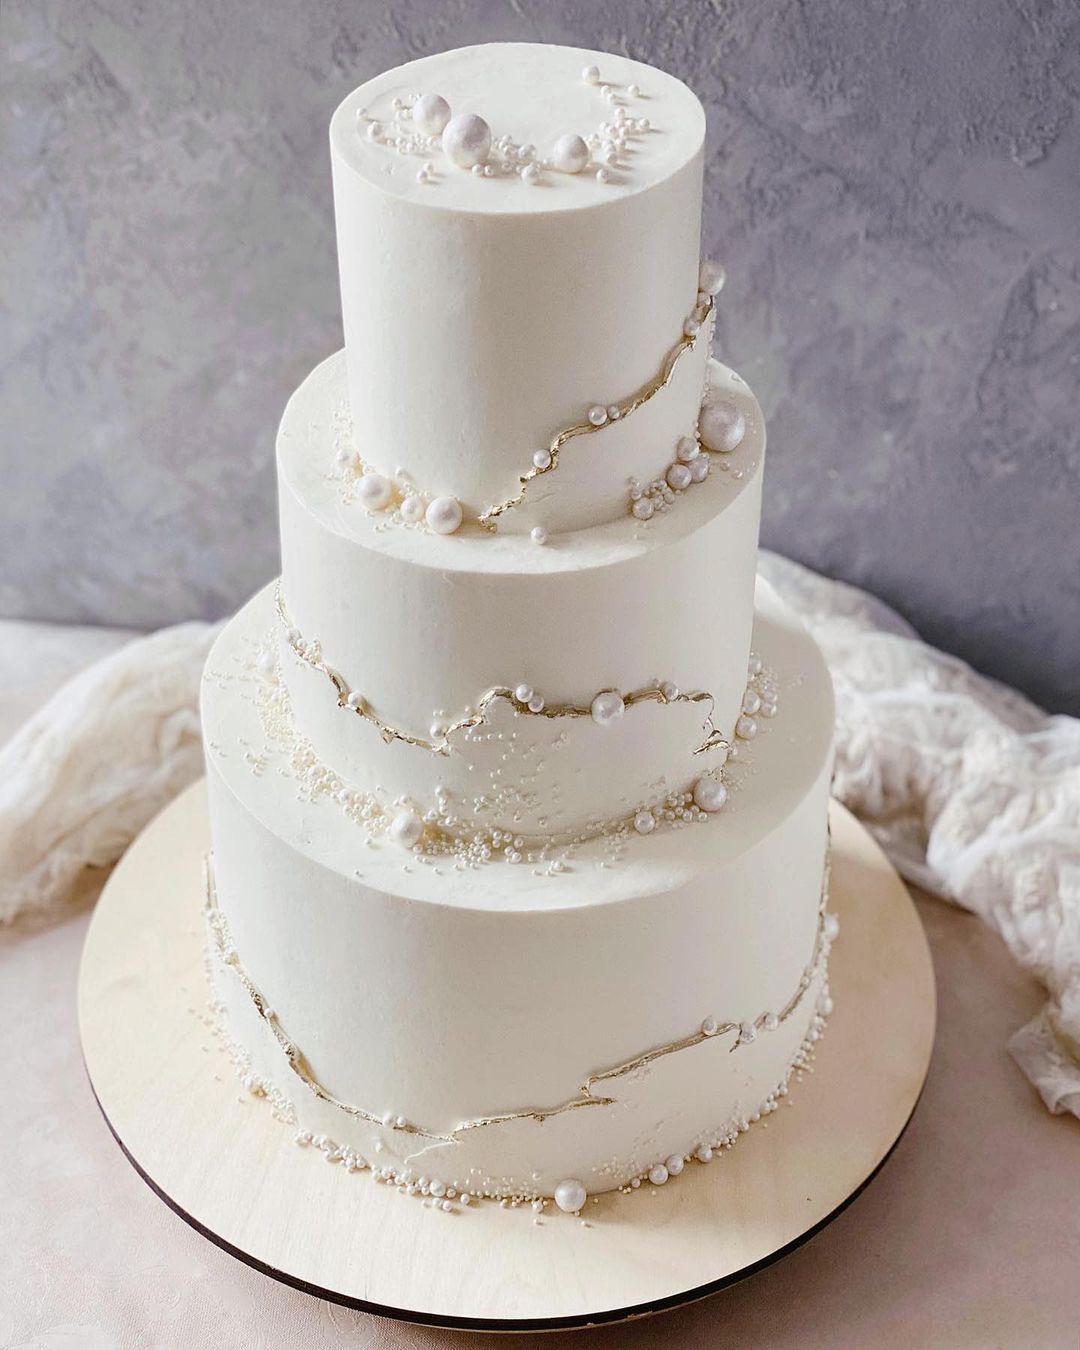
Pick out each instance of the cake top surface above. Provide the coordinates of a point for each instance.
(637, 127)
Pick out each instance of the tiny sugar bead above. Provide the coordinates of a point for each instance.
(700, 468)
(569, 154)
(691, 327)
(431, 112)
(542, 459)
(753, 666)
(644, 822)
(444, 515)
(634, 91)
(643, 124)
(523, 693)
(598, 415)
(538, 534)
(374, 491)
(466, 140)
(412, 509)
(614, 412)
(530, 173)
(658, 1174)
(745, 728)
(374, 131)
(591, 75)
(831, 927)
(678, 476)
(687, 449)
(355, 699)
(570, 1195)
(607, 707)
(643, 508)
(406, 829)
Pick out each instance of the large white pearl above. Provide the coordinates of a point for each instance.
(412, 509)
(467, 140)
(430, 113)
(722, 427)
(444, 515)
(607, 707)
(709, 794)
(570, 154)
(374, 491)
(711, 277)
(406, 828)
(570, 1195)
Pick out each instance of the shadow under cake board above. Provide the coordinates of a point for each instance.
(230, 1169)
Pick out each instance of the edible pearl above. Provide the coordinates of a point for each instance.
(691, 327)
(374, 491)
(751, 702)
(431, 112)
(467, 140)
(658, 1174)
(374, 131)
(708, 1027)
(678, 476)
(538, 534)
(700, 468)
(607, 707)
(687, 449)
(412, 509)
(570, 1195)
(830, 928)
(591, 75)
(674, 1165)
(634, 91)
(542, 459)
(670, 691)
(443, 515)
(643, 508)
(644, 822)
(602, 176)
(406, 829)
(530, 173)
(536, 704)
(355, 699)
(569, 154)
(704, 1154)
(597, 415)
(710, 794)
(711, 277)
(523, 693)
(722, 427)
(745, 728)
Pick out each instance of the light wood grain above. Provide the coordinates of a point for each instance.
(223, 1161)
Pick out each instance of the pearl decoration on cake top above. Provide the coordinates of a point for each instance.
(591, 75)
(607, 707)
(538, 534)
(466, 140)
(570, 1195)
(722, 427)
(644, 822)
(569, 154)
(374, 491)
(443, 515)
(430, 113)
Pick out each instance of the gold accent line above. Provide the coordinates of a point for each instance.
(219, 936)
(702, 314)
(441, 745)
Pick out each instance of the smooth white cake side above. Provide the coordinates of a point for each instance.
(482, 315)
(448, 996)
(422, 627)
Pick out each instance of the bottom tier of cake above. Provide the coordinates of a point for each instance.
(561, 1026)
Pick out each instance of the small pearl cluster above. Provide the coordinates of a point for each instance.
(424, 124)
(760, 700)
(377, 493)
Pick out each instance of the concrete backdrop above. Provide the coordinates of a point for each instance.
(894, 188)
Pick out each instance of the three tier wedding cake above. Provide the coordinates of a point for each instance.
(518, 796)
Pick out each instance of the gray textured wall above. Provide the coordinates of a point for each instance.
(894, 187)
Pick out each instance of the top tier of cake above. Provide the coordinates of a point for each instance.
(497, 295)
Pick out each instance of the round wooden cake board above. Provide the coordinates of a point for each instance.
(226, 1165)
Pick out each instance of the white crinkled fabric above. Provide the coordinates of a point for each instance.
(972, 791)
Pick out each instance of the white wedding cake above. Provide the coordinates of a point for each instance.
(518, 792)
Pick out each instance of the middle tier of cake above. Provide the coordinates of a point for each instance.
(502, 685)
